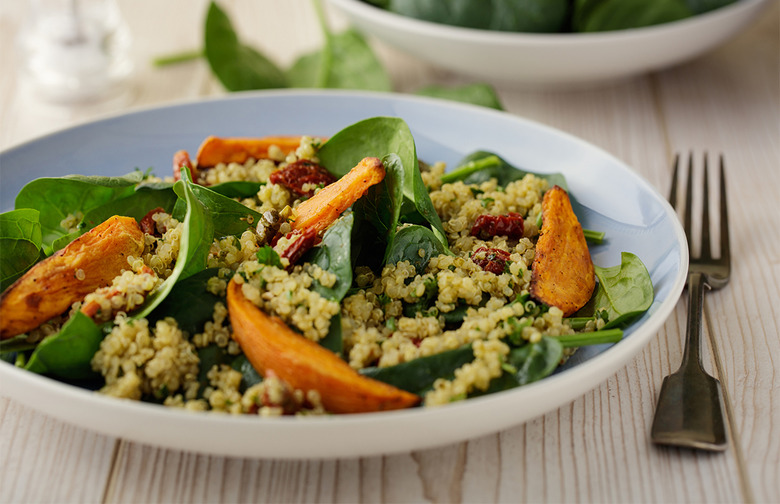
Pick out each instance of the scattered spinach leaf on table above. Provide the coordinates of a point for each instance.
(345, 61)
(475, 94)
(238, 66)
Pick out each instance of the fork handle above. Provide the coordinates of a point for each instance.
(692, 353)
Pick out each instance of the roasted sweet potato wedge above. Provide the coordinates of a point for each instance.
(562, 273)
(271, 346)
(215, 150)
(322, 209)
(51, 286)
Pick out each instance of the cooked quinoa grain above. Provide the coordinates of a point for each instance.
(469, 299)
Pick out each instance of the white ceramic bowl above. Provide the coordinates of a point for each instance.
(610, 197)
(553, 59)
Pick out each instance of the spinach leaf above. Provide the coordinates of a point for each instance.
(345, 62)
(624, 291)
(249, 376)
(136, 205)
(228, 216)
(15, 344)
(425, 301)
(214, 355)
(20, 242)
(534, 361)
(334, 255)
(481, 166)
(237, 189)
(334, 340)
(526, 364)
(377, 137)
(68, 353)
(409, 242)
(504, 15)
(476, 94)
(56, 198)
(268, 256)
(607, 15)
(189, 302)
(702, 6)
(381, 205)
(196, 239)
(417, 376)
(237, 66)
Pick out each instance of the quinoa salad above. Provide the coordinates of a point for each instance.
(304, 275)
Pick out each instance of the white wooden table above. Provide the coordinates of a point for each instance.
(595, 449)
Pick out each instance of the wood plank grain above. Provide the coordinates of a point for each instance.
(725, 116)
(44, 460)
(595, 449)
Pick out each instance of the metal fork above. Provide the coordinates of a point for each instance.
(690, 410)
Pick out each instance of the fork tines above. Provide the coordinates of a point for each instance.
(686, 210)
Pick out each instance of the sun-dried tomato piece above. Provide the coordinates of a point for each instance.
(148, 225)
(488, 226)
(181, 159)
(300, 173)
(491, 259)
(302, 242)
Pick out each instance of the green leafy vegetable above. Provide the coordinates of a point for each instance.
(237, 189)
(196, 238)
(550, 15)
(378, 137)
(20, 242)
(189, 302)
(475, 94)
(481, 166)
(334, 255)
(624, 291)
(381, 205)
(237, 66)
(416, 244)
(417, 376)
(68, 353)
(608, 15)
(268, 256)
(228, 216)
(502, 15)
(345, 61)
(58, 198)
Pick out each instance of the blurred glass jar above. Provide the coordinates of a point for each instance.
(75, 50)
